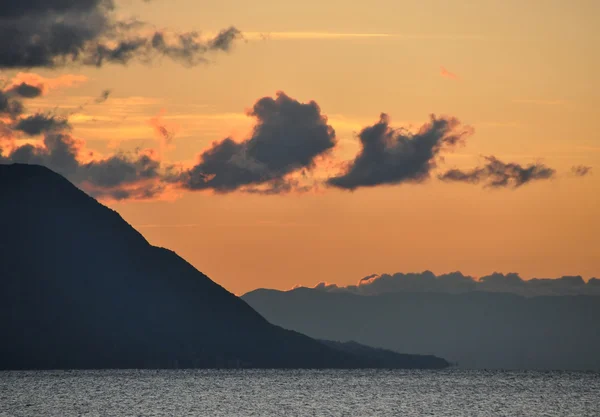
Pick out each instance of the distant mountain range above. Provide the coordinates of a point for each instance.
(473, 329)
(81, 289)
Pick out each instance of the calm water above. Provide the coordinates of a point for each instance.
(290, 393)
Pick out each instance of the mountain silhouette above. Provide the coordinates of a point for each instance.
(82, 289)
(474, 330)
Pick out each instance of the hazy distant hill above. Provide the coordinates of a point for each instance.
(80, 288)
(476, 329)
(390, 358)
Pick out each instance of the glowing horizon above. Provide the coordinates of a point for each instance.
(508, 180)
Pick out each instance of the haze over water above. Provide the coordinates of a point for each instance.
(332, 393)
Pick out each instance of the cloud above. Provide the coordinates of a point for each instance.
(44, 84)
(56, 33)
(103, 97)
(165, 133)
(498, 174)
(395, 156)
(458, 283)
(287, 138)
(39, 123)
(26, 90)
(10, 106)
(581, 170)
(224, 39)
(447, 74)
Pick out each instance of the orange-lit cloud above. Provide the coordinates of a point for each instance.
(447, 74)
(47, 84)
(164, 132)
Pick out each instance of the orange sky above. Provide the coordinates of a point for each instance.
(522, 74)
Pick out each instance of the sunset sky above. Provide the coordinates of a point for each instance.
(520, 76)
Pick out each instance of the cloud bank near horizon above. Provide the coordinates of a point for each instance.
(458, 283)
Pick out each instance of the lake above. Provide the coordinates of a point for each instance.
(450, 392)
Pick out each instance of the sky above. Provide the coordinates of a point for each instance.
(291, 144)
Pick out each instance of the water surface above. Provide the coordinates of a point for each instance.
(299, 393)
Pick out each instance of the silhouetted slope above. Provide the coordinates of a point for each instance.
(80, 288)
(477, 330)
(387, 358)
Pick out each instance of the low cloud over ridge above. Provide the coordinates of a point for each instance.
(120, 176)
(457, 283)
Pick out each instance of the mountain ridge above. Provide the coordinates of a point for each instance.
(80, 288)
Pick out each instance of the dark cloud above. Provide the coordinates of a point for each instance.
(25, 90)
(118, 169)
(39, 123)
(188, 48)
(457, 283)
(581, 170)
(498, 174)
(394, 156)
(287, 137)
(103, 97)
(9, 105)
(224, 40)
(60, 32)
(48, 34)
(21, 8)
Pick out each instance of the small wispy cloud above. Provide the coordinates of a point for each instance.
(447, 74)
(581, 170)
(164, 132)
